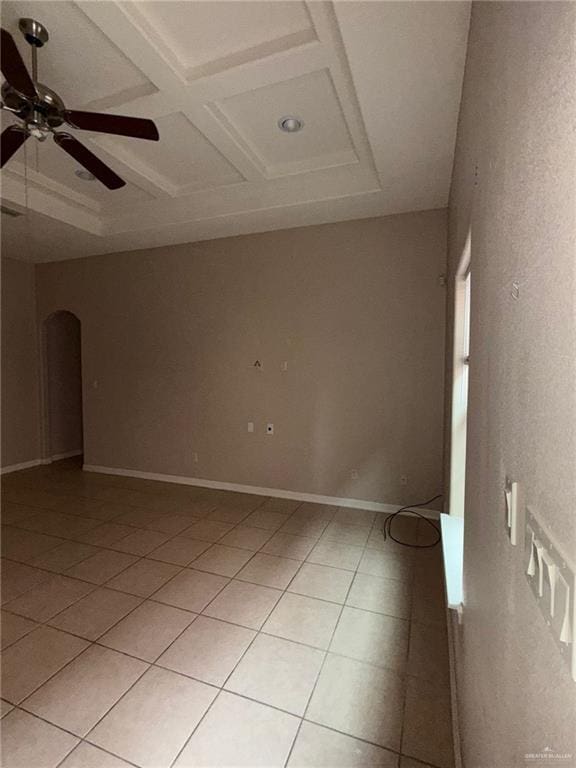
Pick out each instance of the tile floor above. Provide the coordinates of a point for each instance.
(155, 625)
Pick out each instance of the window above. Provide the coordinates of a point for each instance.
(461, 363)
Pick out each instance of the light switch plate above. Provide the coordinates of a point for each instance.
(511, 496)
(548, 570)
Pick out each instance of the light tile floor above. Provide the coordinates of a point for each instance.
(155, 625)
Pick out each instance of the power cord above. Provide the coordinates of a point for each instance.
(387, 529)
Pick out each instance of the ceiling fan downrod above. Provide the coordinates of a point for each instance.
(36, 35)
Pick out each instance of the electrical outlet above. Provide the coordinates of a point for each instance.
(354, 474)
(404, 480)
(284, 366)
(250, 426)
(269, 428)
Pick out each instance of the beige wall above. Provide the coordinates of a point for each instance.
(62, 333)
(514, 185)
(356, 310)
(20, 394)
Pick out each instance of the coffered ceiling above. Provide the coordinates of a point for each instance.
(376, 84)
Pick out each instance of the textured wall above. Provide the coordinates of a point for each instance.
(20, 371)
(64, 378)
(514, 186)
(171, 336)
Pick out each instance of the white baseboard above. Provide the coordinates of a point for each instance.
(22, 465)
(60, 456)
(38, 462)
(373, 506)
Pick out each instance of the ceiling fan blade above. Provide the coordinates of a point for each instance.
(135, 127)
(86, 158)
(14, 69)
(12, 139)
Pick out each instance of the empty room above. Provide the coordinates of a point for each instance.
(288, 373)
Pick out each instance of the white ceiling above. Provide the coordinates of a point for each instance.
(377, 85)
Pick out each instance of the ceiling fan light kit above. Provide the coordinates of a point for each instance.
(41, 110)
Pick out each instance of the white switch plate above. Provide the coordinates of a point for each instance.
(511, 496)
(250, 426)
(555, 596)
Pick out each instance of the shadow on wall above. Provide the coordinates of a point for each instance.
(398, 472)
(62, 349)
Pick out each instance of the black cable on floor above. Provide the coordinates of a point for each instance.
(387, 529)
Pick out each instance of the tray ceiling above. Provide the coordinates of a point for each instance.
(377, 85)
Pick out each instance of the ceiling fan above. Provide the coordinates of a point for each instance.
(41, 110)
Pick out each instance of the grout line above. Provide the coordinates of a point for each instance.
(196, 614)
(190, 566)
(151, 597)
(67, 755)
(374, 744)
(89, 641)
(180, 534)
(317, 680)
(181, 569)
(64, 573)
(150, 665)
(84, 739)
(198, 724)
(22, 702)
(103, 584)
(257, 634)
(410, 636)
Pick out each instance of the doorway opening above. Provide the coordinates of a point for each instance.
(63, 422)
(460, 369)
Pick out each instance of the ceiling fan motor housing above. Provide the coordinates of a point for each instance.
(48, 107)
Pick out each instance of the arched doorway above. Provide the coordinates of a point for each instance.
(63, 395)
